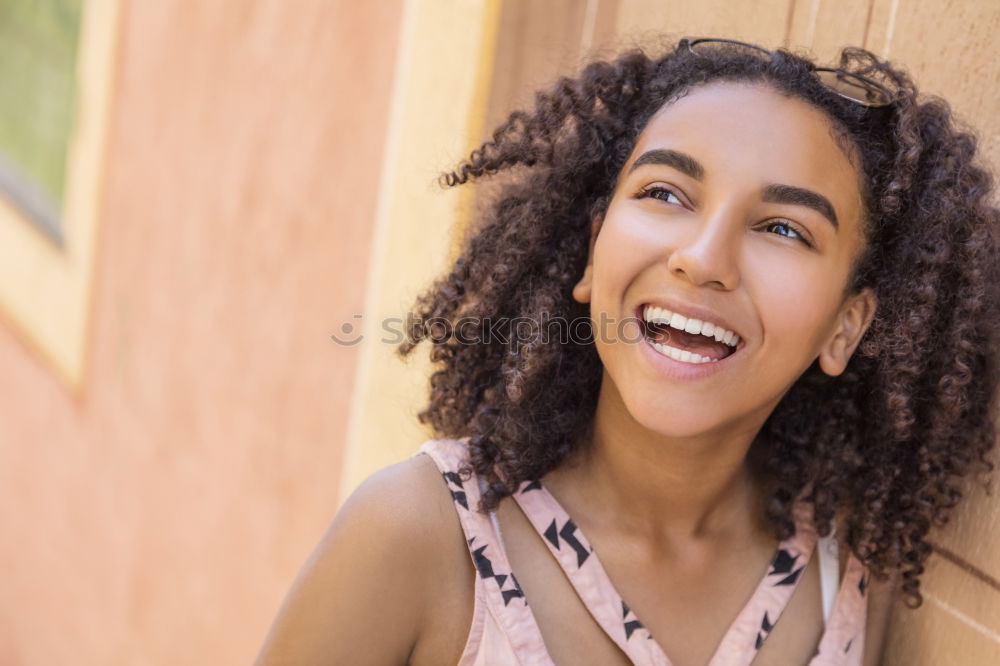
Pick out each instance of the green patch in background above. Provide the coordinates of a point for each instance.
(38, 48)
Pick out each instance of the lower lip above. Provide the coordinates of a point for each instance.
(681, 370)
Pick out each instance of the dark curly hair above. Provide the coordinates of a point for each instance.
(886, 444)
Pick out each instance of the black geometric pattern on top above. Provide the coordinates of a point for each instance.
(630, 625)
(863, 583)
(485, 568)
(533, 485)
(765, 629)
(782, 564)
(568, 533)
(453, 479)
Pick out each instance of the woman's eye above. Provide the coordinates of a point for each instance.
(660, 193)
(785, 229)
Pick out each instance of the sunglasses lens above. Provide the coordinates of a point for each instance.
(855, 88)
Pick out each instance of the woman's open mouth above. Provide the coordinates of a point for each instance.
(686, 339)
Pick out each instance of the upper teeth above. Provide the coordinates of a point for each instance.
(655, 315)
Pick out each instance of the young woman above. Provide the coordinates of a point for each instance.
(790, 278)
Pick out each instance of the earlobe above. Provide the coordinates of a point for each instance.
(583, 288)
(854, 319)
(581, 292)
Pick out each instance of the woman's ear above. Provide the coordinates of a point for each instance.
(581, 292)
(853, 320)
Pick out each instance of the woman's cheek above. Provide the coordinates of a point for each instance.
(792, 296)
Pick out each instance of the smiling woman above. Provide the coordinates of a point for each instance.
(800, 263)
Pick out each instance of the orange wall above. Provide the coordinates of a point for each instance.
(160, 516)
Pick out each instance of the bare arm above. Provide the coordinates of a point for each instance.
(361, 596)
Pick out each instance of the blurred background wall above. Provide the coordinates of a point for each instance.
(244, 180)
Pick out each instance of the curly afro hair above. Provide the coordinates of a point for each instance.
(885, 445)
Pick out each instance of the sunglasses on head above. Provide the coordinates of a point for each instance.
(854, 87)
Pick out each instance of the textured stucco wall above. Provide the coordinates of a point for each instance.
(159, 516)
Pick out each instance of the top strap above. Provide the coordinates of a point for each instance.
(829, 572)
(585, 572)
(503, 595)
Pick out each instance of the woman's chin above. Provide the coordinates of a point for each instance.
(676, 421)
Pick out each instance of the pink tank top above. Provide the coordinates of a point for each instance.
(505, 632)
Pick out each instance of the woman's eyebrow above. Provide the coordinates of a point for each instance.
(672, 158)
(800, 196)
(783, 194)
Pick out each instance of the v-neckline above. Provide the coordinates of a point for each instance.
(586, 573)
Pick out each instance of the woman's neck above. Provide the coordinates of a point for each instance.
(663, 490)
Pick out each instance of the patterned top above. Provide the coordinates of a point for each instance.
(504, 630)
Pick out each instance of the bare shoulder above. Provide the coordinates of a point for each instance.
(883, 596)
(369, 587)
(410, 494)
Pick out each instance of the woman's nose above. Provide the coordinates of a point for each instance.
(708, 255)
